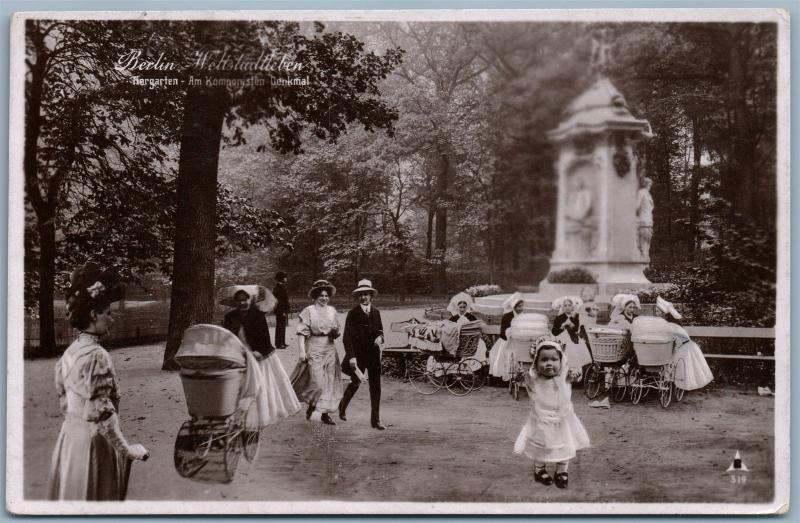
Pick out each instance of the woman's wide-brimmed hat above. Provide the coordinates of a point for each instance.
(321, 285)
(558, 303)
(365, 286)
(452, 307)
(512, 301)
(95, 283)
(667, 308)
(259, 295)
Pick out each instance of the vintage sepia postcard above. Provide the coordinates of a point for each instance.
(399, 262)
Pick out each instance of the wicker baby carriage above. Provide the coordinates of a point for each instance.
(610, 350)
(522, 335)
(223, 422)
(655, 367)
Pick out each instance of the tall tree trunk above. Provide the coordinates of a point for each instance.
(440, 244)
(515, 245)
(44, 210)
(314, 257)
(192, 299)
(694, 197)
(429, 233)
(47, 261)
(741, 178)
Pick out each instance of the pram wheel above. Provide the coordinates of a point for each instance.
(250, 433)
(478, 371)
(189, 453)
(619, 385)
(516, 390)
(459, 378)
(637, 386)
(592, 381)
(680, 377)
(665, 385)
(426, 380)
(230, 457)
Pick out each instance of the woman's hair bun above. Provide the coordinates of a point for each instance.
(91, 288)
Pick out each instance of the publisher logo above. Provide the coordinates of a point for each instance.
(737, 472)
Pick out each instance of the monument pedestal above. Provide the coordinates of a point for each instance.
(597, 221)
(611, 277)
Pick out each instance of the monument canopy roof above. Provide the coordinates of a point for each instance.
(601, 107)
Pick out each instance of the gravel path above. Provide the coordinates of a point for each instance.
(436, 448)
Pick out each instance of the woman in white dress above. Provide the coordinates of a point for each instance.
(624, 312)
(697, 374)
(318, 328)
(460, 307)
(499, 356)
(566, 326)
(91, 459)
(249, 323)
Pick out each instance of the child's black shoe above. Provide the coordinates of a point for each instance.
(562, 479)
(541, 476)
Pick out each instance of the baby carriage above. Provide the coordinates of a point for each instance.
(223, 422)
(457, 371)
(655, 367)
(610, 350)
(523, 333)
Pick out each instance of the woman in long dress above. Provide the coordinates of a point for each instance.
(698, 374)
(460, 307)
(249, 323)
(91, 459)
(566, 326)
(499, 355)
(318, 327)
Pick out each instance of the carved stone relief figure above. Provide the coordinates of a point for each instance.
(581, 237)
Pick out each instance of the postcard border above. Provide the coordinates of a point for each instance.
(15, 380)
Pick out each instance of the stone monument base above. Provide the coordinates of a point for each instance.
(491, 307)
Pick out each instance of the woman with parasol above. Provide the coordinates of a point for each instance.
(248, 322)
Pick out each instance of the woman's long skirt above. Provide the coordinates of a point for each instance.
(500, 360)
(85, 467)
(281, 401)
(697, 373)
(324, 389)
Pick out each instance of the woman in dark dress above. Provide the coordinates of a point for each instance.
(567, 327)
(625, 306)
(463, 314)
(248, 322)
(460, 307)
(499, 364)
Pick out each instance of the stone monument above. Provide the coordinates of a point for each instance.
(604, 209)
(603, 222)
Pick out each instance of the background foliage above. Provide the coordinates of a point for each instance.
(462, 192)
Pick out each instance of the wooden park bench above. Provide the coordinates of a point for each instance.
(493, 331)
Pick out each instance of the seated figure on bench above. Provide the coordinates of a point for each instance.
(698, 374)
(460, 307)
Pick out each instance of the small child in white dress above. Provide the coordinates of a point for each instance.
(553, 433)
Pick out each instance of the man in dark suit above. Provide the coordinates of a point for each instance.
(247, 315)
(282, 310)
(363, 337)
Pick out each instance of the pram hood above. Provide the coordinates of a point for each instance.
(650, 328)
(528, 326)
(210, 346)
